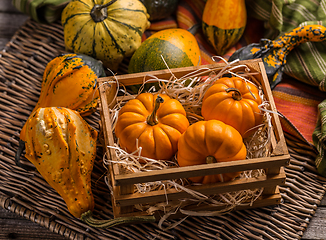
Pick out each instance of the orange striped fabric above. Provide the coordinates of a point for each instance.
(298, 102)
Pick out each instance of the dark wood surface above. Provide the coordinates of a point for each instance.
(13, 226)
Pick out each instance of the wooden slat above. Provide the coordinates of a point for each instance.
(202, 170)
(139, 78)
(267, 200)
(217, 188)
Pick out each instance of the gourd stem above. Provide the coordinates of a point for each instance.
(106, 5)
(21, 148)
(152, 119)
(194, 29)
(99, 12)
(87, 217)
(210, 159)
(236, 94)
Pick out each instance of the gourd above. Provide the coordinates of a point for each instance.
(62, 146)
(178, 47)
(153, 122)
(105, 30)
(273, 53)
(223, 23)
(160, 9)
(235, 102)
(69, 80)
(212, 141)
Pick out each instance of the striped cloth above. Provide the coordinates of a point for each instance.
(319, 138)
(303, 100)
(306, 62)
(45, 11)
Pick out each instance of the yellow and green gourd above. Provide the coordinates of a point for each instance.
(223, 23)
(170, 48)
(105, 30)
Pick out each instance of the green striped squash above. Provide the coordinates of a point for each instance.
(103, 29)
(223, 23)
(173, 48)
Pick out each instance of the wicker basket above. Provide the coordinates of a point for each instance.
(24, 192)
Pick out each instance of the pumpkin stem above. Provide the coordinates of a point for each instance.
(87, 217)
(210, 159)
(236, 94)
(99, 12)
(152, 119)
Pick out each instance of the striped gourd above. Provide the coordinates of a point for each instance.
(69, 81)
(223, 23)
(106, 30)
(174, 48)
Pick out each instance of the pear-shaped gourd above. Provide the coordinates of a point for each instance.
(62, 146)
(223, 23)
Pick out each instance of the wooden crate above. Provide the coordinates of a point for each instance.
(123, 197)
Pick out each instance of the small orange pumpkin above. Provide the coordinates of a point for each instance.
(234, 102)
(212, 141)
(154, 121)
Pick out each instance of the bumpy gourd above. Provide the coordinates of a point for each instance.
(62, 146)
(155, 121)
(69, 80)
(235, 102)
(223, 23)
(207, 142)
(274, 52)
(103, 29)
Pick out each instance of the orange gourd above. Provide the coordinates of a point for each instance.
(234, 102)
(69, 80)
(223, 23)
(155, 121)
(212, 141)
(62, 146)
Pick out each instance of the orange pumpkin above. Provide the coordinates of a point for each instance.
(154, 122)
(234, 102)
(212, 141)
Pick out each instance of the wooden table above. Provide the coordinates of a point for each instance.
(14, 227)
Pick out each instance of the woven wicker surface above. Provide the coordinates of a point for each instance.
(24, 192)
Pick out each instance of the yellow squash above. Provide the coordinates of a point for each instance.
(106, 30)
(62, 146)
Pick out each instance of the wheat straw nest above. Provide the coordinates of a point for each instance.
(24, 192)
